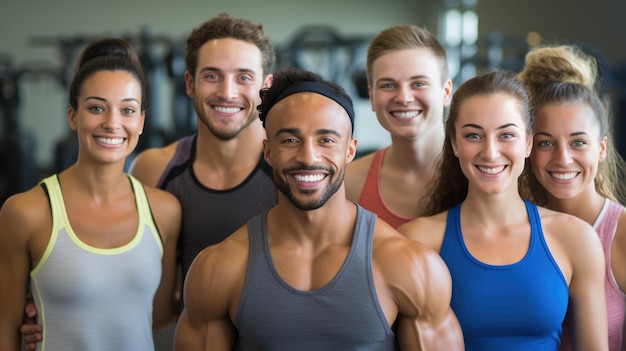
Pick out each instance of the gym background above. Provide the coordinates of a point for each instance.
(40, 40)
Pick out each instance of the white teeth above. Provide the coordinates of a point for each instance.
(110, 141)
(564, 176)
(224, 109)
(491, 170)
(405, 114)
(309, 177)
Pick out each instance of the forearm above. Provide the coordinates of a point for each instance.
(10, 338)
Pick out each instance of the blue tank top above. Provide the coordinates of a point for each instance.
(343, 315)
(209, 215)
(520, 306)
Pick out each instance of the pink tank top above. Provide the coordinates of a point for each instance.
(606, 225)
(372, 199)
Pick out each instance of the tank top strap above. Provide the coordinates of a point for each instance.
(146, 218)
(363, 233)
(257, 237)
(57, 204)
(536, 230)
(372, 181)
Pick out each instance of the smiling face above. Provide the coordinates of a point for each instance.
(225, 87)
(308, 146)
(567, 149)
(491, 142)
(108, 118)
(407, 93)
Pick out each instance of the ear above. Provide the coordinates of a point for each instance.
(268, 81)
(447, 93)
(267, 153)
(189, 85)
(529, 145)
(71, 118)
(454, 149)
(603, 145)
(351, 151)
(143, 121)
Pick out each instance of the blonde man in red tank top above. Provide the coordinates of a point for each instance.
(409, 88)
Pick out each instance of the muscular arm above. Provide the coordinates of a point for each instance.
(150, 164)
(425, 320)
(167, 214)
(420, 284)
(212, 290)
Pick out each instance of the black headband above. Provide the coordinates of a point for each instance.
(319, 88)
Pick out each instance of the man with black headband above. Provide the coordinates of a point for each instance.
(315, 272)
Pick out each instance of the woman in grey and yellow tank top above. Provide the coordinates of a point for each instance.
(96, 246)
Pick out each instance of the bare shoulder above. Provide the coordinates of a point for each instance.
(150, 164)
(564, 228)
(426, 230)
(415, 274)
(218, 272)
(25, 214)
(166, 209)
(400, 256)
(573, 243)
(356, 175)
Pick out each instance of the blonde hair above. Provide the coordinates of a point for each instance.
(566, 74)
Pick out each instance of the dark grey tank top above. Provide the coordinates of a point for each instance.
(343, 315)
(210, 215)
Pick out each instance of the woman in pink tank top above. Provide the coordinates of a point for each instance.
(575, 167)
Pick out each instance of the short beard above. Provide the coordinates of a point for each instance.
(223, 134)
(283, 187)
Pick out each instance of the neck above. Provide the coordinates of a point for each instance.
(418, 153)
(498, 209)
(245, 148)
(333, 222)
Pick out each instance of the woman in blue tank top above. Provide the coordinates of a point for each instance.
(514, 266)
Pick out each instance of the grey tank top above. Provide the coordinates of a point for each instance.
(209, 215)
(343, 315)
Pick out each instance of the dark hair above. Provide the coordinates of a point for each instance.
(286, 77)
(107, 54)
(566, 74)
(224, 26)
(403, 37)
(451, 185)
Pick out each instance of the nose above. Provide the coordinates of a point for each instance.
(112, 120)
(308, 154)
(490, 150)
(227, 89)
(563, 155)
(405, 95)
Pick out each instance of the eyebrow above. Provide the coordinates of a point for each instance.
(215, 69)
(105, 100)
(296, 131)
(472, 125)
(571, 134)
(388, 79)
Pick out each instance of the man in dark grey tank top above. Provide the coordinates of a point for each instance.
(315, 272)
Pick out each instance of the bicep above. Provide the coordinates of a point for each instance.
(194, 333)
(426, 318)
